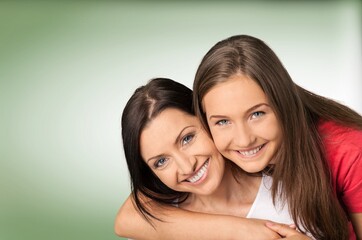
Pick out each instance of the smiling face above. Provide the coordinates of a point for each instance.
(181, 154)
(242, 123)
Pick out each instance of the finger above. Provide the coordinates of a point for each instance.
(292, 226)
(281, 229)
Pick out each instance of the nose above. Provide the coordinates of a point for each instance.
(242, 135)
(186, 163)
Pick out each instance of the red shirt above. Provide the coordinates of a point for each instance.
(343, 149)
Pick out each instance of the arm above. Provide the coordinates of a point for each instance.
(182, 224)
(129, 223)
(356, 219)
(345, 161)
(286, 232)
(352, 194)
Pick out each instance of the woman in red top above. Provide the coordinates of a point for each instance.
(313, 149)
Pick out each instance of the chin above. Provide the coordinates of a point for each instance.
(253, 169)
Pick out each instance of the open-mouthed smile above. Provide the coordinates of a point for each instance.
(251, 152)
(199, 174)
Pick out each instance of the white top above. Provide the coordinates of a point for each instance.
(264, 208)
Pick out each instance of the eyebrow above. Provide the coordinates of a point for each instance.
(247, 111)
(176, 141)
(155, 157)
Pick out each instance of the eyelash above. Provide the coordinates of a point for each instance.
(184, 140)
(222, 122)
(157, 162)
(257, 114)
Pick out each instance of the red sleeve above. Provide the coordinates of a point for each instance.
(352, 184)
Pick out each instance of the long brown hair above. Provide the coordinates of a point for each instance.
(301, 166)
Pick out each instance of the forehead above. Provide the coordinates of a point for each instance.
(237, 92)
(161, 133)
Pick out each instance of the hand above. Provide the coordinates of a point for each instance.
(287, 232)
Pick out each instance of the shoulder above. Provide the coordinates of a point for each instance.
(343, 153)
(120, 222)
(342, 148)
(338, 137)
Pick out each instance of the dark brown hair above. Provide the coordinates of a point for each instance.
(301, 166)
(146, 103)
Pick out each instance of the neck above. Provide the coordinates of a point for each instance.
(234, 196)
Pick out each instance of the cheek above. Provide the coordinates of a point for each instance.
(167, 176)
(272, 130)
(205, 145)
(220, 140)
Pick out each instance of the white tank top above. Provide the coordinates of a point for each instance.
(264, 208)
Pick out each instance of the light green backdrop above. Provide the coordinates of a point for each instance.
(67, 69)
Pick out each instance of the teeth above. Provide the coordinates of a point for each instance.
(199, 174)
(251, 152)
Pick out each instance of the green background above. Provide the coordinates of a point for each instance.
(67, 69)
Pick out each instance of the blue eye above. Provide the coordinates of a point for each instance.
(257, 114)
(160, 162)
(187, 139)
(222, 122)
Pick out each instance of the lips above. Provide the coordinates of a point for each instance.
(199, 174)
(251, 152)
